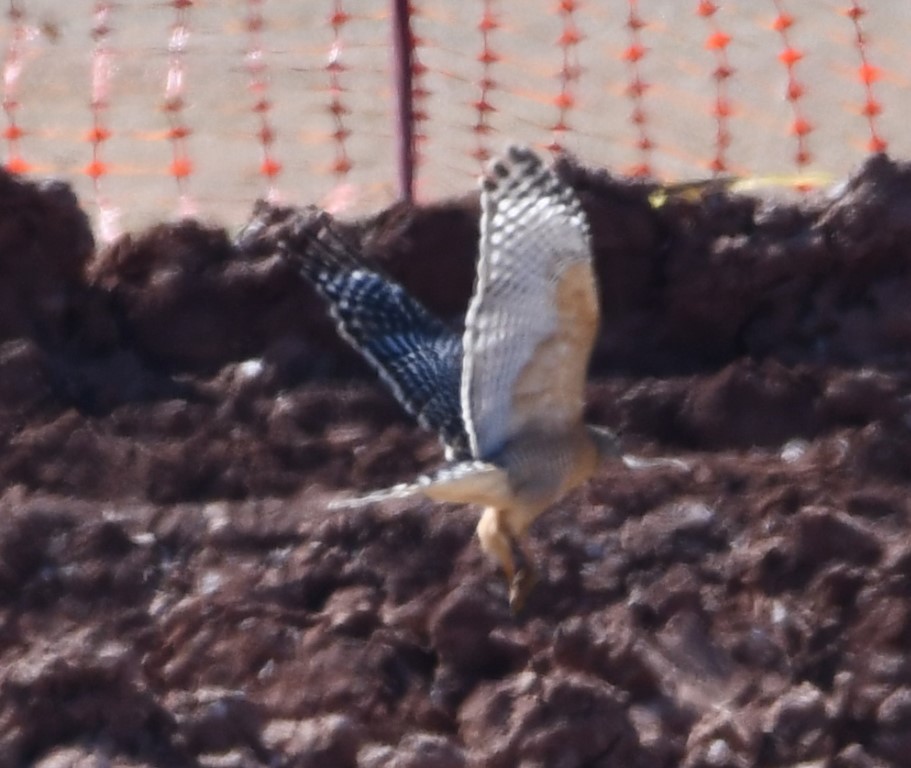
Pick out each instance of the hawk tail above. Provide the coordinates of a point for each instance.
(465, 482)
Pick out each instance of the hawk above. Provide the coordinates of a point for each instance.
(506, 395)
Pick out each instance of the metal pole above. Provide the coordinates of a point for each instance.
(403, 55)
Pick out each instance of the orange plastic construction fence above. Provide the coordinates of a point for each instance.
(157, 109)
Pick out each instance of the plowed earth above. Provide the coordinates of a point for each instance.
(175, 413)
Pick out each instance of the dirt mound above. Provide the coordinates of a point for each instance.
(176, 411)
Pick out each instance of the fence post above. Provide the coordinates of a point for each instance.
(403, 56)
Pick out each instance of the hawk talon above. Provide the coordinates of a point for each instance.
(520, 588)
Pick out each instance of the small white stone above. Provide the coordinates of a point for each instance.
(793, 451)
(250, 369)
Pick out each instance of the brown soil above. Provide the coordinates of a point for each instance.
(175, 412)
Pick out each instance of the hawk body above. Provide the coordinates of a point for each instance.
(506, 396)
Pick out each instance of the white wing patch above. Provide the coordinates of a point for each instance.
(533, 318)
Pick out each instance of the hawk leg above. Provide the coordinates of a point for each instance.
(498, 541)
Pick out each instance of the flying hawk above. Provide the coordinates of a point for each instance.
(506, 395)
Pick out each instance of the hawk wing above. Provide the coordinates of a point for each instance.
(415, 354)
(532, 320)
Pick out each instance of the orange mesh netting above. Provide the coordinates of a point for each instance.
(155, 109)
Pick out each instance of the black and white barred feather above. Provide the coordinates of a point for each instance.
(417, 355)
